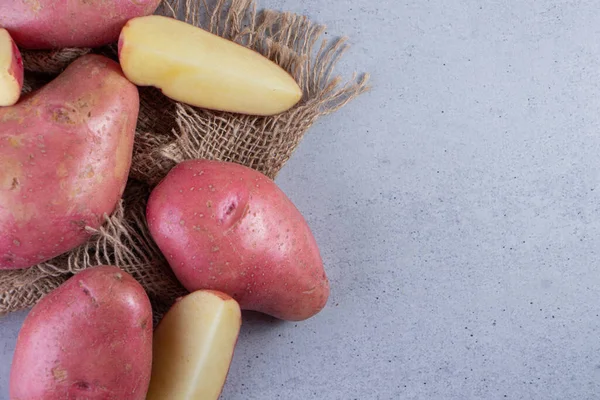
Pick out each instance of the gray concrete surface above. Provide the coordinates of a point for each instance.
(457, 210)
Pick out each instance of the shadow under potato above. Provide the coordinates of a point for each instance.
(254, 317)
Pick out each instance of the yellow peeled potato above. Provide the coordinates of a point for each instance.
(193, 347)
(193, 66)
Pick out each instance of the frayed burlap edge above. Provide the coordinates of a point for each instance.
(262, 143)
(169, 132)
(123, 241)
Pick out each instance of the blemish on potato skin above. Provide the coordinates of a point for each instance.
(82, 385)
(62, 116)
(15, 184)
(15, 142)
(8, 258)
(11, 116)
(87, 292)
(34, 5)
(88, 173)
(80, 223)
(59, 374)
(62, 171)
(95, 71)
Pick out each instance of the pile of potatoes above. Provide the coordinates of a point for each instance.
(231, 236)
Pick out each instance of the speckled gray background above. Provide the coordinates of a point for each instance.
(457, 207)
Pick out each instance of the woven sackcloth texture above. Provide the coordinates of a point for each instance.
(169, 132)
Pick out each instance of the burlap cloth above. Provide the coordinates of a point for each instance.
(169, 132)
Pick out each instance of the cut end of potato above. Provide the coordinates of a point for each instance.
(193, 347)
(11, 70)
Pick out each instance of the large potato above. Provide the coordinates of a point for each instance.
(89, 339)
(226, 227)
(65, 154)
(51, 24)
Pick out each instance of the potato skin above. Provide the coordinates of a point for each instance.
(91, 338)
(53, 24)
(226, 227)
(65, 155)
(16, 67)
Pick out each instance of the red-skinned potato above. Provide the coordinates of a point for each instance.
(65, 154)
(91, 338)
(54, 24)
(226, 227)
(11, 70)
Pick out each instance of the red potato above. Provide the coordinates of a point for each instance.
(11, 70)
(91, 338)
(52, 24)
(65, 154)
(226, 227)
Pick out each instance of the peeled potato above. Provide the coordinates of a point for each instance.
(193, 66)
(193, 347)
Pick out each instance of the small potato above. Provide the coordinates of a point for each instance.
(193, 347)
(193, 66)
(55, 24)
(89, 339)
(11, 70)
(65, 154)
(226, 227)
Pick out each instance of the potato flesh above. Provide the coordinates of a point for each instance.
(11, 70)
(193, 347)
(193, 66)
